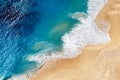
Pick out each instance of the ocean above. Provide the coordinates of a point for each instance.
(33, 31)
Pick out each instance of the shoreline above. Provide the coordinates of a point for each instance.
(93, 57)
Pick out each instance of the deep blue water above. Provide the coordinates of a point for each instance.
(23, 23)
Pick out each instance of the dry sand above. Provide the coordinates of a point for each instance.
(101, 62)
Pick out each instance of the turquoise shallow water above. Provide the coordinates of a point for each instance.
(32, 26)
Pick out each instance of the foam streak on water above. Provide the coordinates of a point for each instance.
(81, 35)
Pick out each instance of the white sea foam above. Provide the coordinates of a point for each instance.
(86, 33)
(81, 35)
(94, 7)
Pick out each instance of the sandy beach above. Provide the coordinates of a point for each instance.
(101, 62)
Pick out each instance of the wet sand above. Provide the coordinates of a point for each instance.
(101, 62)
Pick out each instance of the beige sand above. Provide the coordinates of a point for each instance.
(100, 62)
